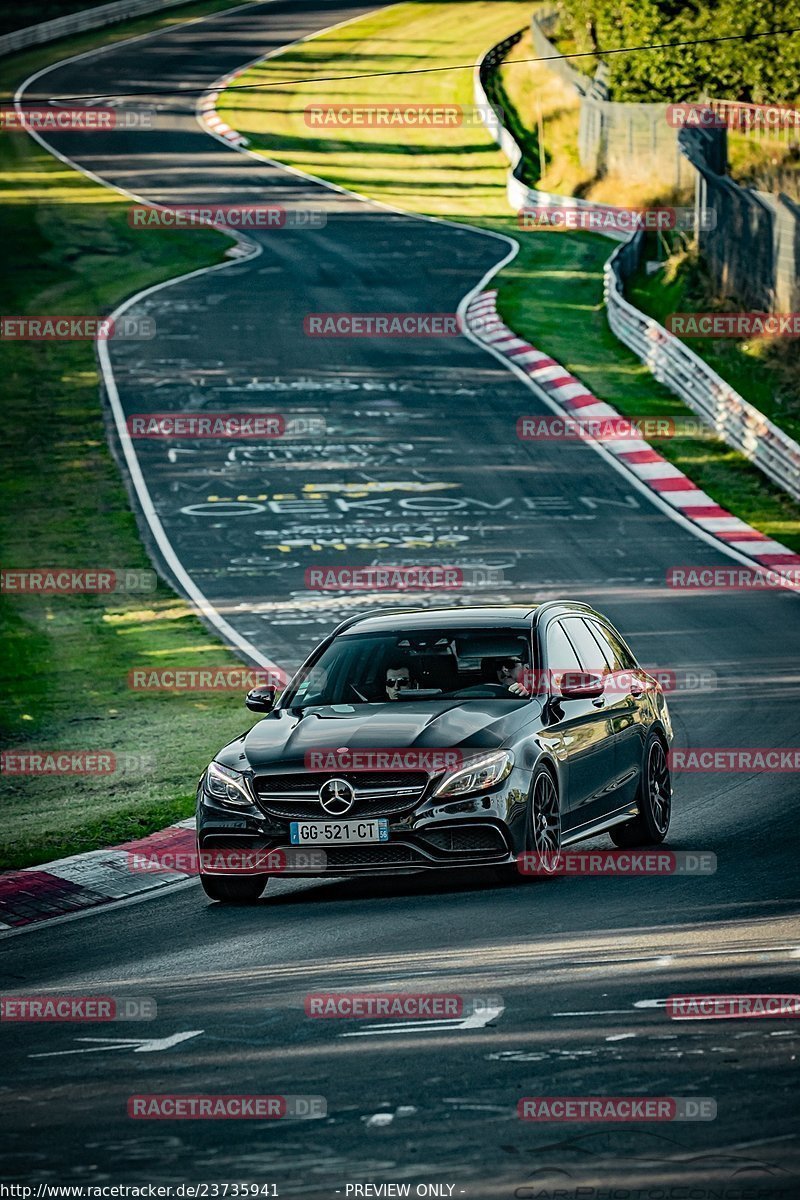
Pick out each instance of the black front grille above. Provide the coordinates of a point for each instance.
(313, 811)
(385, 855)
(227, 841)
(484, 839)
(305, 781)
(293, 797)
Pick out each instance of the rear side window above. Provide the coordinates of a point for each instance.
(613, 648)
(592, 657)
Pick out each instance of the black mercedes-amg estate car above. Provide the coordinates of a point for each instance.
(454, 737)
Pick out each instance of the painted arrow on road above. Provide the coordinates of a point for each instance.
(137, 1045)
(475, 1020)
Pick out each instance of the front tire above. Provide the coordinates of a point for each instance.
(227, 890)
(654, 799)
(542, 833)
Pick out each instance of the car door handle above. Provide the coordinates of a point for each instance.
(637, 689)
(599, 702)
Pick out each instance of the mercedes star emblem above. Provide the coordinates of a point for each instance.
(337, 797)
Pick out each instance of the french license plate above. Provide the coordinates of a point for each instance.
(337, 833)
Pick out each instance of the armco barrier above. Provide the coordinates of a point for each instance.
(79, 22)
(519, 194)
(672, 363)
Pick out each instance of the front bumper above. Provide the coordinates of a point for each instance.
(484, 830)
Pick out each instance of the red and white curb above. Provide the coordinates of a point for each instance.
(207, 112)
(82, 881)
(634, 454)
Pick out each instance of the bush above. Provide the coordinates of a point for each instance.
(758, 70)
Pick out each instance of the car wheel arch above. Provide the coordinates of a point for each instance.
(658, 729)
(548, 762)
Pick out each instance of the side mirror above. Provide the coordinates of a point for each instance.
(260, 699)
(581, 685)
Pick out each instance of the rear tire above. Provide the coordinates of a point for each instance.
(654, 799)
(226, 890)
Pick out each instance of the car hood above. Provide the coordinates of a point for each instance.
(285, 737)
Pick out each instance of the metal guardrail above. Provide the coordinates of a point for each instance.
(672, 363)
(519, 194)
(79, 22)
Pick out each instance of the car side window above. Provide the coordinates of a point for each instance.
(588, 648)
(620, 658)
(561, 656)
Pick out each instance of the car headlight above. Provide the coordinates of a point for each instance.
(228, 786)
(476, 774)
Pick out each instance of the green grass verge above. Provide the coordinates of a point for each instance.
(552, 292)
(69, 249)
(451, 170)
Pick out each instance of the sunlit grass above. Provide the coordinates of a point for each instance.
(415, 168)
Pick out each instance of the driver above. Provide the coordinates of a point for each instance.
(398, 678)
(509, 673)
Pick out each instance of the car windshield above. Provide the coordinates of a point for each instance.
(414, 665)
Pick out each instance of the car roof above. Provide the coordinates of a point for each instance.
(461, 617)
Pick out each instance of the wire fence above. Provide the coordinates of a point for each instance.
(752, 247)
(616, 137)
(752, 253)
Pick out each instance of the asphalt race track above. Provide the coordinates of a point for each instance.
(419, 463)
